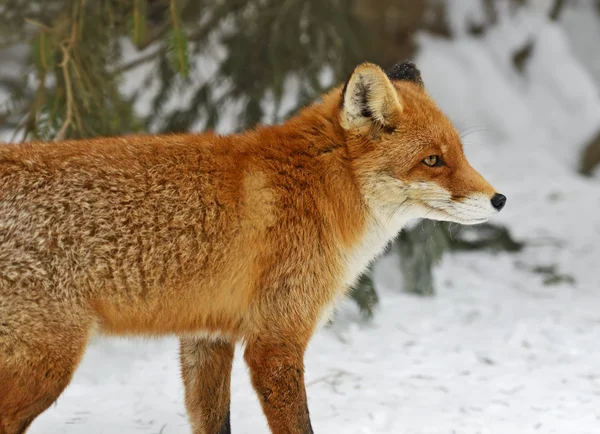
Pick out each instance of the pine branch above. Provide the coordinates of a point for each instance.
(178, 42)
(139, 22)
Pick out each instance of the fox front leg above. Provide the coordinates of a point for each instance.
(277, 373)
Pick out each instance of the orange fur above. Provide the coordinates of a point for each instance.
(217, 239)
(206, 370)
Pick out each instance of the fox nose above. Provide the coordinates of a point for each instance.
(498, 201)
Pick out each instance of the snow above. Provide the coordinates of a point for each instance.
(582, 26)
(496, 350)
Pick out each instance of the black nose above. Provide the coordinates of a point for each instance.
(498, 201)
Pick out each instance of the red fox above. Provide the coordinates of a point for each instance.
(217, 239)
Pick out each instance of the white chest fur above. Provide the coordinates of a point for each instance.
(380, 230)
(382, 227)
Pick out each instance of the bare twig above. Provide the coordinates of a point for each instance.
(141, 60)
(556, 10)
(37, 24)
(156, 35)
(69, 90)
(30, 123)
(64, 65)
(591, 156)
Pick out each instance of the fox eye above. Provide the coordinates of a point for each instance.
(433, 161)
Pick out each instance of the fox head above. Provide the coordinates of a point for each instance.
(407, 155)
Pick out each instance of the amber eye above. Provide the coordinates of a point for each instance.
(433, 161)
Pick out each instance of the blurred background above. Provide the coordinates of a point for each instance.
(485, 329)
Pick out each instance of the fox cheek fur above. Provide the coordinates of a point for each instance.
(404, 127)
(249, 237)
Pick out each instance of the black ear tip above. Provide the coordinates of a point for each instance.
(406, 71)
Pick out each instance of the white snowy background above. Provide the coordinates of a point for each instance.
(496, 350)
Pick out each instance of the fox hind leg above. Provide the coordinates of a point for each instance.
(206, 369)
(37, 361)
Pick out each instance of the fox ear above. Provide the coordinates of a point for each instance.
(369, 97)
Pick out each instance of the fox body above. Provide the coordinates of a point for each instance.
(247, 237)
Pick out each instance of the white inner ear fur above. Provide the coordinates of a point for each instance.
(369, 97)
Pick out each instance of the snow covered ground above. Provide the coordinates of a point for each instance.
(496, 350)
